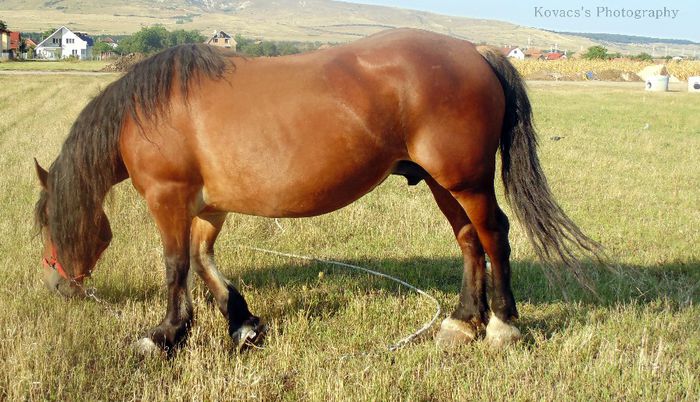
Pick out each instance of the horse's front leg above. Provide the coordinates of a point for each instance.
(245, 328)
(174, 222)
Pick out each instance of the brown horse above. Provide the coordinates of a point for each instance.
(201, 132)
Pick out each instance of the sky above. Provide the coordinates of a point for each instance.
(672, 19)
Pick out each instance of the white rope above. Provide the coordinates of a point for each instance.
(402, 342)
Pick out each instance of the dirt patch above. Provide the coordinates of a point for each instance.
(604, 75)
(617, 76)
(552, 76)
(124, 63)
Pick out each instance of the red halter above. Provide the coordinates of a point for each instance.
(53, 263)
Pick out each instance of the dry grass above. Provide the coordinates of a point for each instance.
(631, 185)
(61, 65)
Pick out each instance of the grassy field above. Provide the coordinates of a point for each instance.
(83, 65)
(624, 166)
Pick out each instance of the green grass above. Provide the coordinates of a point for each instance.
(633, 187)
(61, 65)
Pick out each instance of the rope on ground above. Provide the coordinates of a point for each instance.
(402, 342)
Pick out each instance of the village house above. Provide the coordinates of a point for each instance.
(110, 42)
(513, 52)
(222, 39)
(65, 43)
(104, 54)
(4, 43)
(534, 53)
(551, 56)
(9, 44)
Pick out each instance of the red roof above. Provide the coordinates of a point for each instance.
(555, 56)
(506, 50)
(14, 40)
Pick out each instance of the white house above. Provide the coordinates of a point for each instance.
(513, 52)
(65, 43)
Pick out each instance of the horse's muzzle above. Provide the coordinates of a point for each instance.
(62, 286)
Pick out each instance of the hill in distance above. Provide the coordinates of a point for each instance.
(298, 20)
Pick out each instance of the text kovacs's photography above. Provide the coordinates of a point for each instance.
(607, 12)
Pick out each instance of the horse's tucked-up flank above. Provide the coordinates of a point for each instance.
(201, 132)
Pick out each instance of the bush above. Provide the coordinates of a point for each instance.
(596, 52)
(643, 57)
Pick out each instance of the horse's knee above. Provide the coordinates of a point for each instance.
(468, 239)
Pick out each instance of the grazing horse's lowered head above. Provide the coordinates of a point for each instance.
(63, 271)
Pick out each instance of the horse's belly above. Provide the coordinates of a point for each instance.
(297, 192)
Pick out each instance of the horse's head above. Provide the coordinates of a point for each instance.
(65, 270)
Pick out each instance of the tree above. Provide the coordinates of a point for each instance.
(269, 49)
(23, 48)
(181, 36)
(149, 40)
(285, 48)
(124, 46)
(643, 57)
(596, 52)
(101, 47)
(243, 41)
(156, 38)
(47, 33)
(3, 25)
(254, 48)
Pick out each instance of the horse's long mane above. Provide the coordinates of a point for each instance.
(90, 163)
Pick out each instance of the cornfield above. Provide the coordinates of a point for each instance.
(576, 69)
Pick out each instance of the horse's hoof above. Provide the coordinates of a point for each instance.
(250, 335)
(454, 332)
(146, 347)
(500, 334)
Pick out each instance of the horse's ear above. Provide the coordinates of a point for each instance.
(42, 173)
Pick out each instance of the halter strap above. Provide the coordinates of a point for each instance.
(52, 262)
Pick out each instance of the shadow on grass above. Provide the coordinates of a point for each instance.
(677, 282)
(672, 286)
(116, 294)
(676, 285)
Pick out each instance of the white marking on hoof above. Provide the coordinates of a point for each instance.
(454, 332)
(146, 347)
(499, 333)
(247, 332)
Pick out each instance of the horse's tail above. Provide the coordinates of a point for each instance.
(90, 162)
(554, 236)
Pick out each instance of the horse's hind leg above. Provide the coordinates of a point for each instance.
(243, 326)
(492, 228)
(472, 310)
